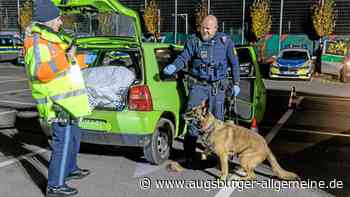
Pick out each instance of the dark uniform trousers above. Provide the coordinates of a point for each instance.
(197, 94)
(65, 148)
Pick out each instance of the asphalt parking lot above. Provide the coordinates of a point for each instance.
(122, 171)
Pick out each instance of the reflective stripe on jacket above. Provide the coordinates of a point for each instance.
(51, 76)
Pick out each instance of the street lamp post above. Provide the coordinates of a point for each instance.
(208, 7)
(185, 15)
(280, 33)
(243, 21)
(19, 18)
(175, 31)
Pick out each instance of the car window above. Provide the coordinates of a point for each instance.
(99, 24)
(115, 57)
(294, 55)
(244, 55)
(246, 65)
(164, 57)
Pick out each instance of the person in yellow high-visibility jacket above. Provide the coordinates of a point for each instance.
(59, 91)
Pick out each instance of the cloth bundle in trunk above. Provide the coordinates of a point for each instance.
(107, 86)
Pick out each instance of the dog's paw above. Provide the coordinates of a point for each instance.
(174, 167)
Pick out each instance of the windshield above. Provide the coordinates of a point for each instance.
(294, 55)
(99, 24)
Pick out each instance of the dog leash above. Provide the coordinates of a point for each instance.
(235, 109)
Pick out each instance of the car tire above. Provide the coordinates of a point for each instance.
(158, 150)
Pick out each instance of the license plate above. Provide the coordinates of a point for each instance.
(289, 73)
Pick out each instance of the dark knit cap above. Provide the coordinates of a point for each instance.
(44, 10)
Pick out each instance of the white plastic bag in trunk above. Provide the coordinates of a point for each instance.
(107, 86)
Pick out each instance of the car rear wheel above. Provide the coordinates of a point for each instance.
(158, 150)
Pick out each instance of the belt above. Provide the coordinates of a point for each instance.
(203, 81)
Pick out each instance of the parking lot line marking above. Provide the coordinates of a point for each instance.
(26, 156)
(11, 77)
(15, 91)
(227, 191)
(17, 102)
(14, 80)
(6, 112)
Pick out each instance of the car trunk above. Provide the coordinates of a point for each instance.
(110, 74)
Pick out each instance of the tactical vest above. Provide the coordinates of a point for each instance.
(210, 59)
(53, 79)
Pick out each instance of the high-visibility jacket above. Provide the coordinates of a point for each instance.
(52, 76)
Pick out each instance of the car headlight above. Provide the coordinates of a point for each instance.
(306, 65)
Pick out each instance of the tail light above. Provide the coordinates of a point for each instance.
(140, 98)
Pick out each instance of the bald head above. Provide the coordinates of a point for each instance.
(209, 27)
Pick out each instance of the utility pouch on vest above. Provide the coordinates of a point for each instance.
(62, 116)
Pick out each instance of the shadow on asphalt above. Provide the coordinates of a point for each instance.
(324, 161)
(13, 146)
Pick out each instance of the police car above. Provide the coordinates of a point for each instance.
(10, 48)
(292, 62)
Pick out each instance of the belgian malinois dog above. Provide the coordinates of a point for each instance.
(226, 139)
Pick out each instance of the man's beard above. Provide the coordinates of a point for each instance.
(206, 37)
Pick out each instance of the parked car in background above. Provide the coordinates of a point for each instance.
(335, 59)
(293, 62)
(10, 48)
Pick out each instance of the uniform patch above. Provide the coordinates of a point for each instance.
(204, 54)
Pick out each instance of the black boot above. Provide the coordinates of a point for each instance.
(190, 151)
(62, 191)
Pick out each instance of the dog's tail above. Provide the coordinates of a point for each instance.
(280, 172)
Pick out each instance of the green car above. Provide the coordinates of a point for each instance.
(151, 117)
(251, 102)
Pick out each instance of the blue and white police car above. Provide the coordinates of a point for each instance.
(292, 62)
